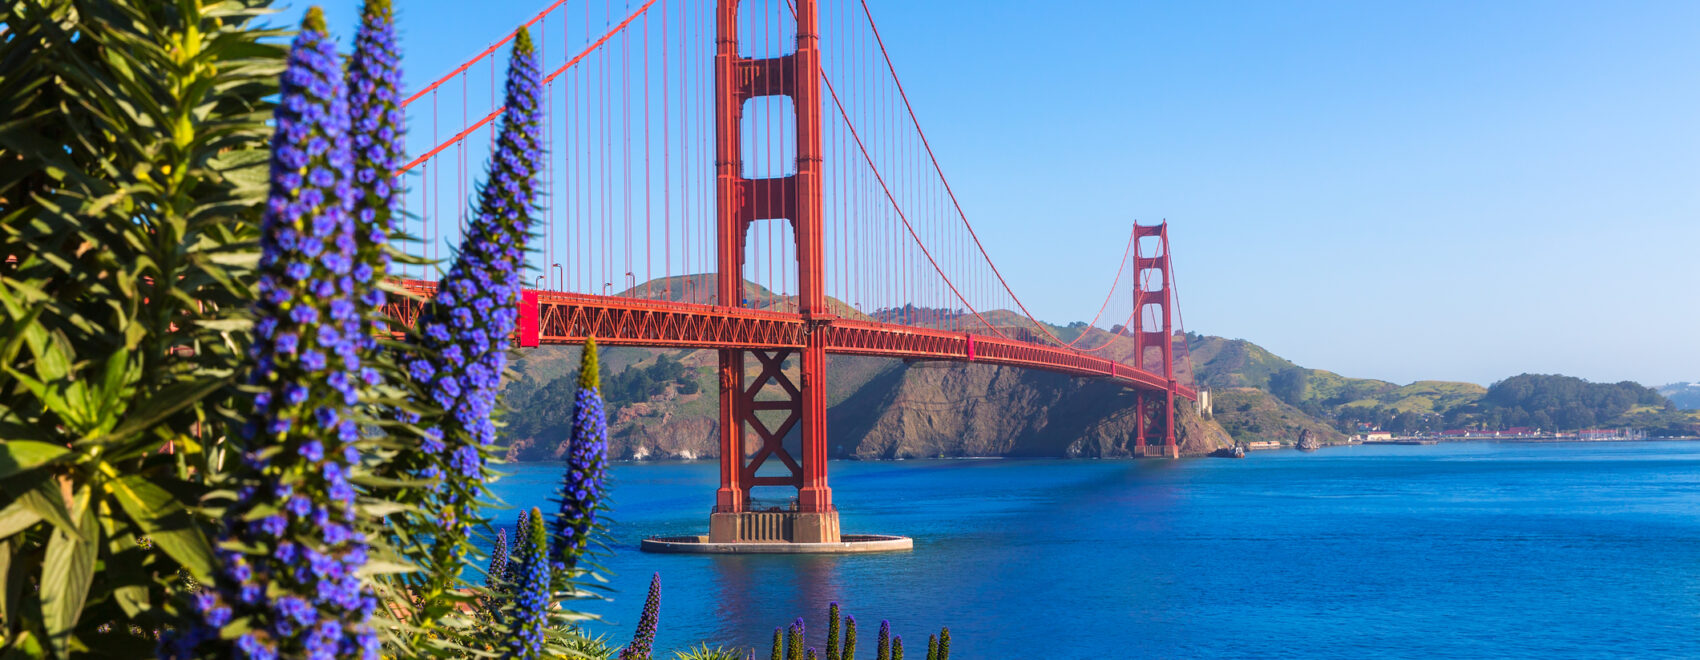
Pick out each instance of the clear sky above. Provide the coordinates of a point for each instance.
(1405, 191)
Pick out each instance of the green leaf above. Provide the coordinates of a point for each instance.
(46, 500)
(165, 520)
(377, 567)
(162, 404)
(26, 647)
(133, 598)
(20, 455)
(66, 573)
(16, 517)
(5, 579)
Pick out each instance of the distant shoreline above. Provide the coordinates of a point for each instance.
(1435, 441)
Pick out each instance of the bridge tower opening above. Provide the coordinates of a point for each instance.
(1153, 335)
(769, 405)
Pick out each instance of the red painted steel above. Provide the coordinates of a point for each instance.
(1145, 269)
(570, 318)
(783, 388)
(742, 201)
(530, 327)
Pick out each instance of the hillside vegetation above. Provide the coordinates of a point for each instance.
(664, 404)
(1347, 405)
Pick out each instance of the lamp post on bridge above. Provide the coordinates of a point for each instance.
(560, 277)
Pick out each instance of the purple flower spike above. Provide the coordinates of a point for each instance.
(375, 135)
(529, 616)
(465, 351)
(587, 463)
(643, 641)
(292, 585)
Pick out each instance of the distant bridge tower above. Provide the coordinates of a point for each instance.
(1154, 270)
(740, 202)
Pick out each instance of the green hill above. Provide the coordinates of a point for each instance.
(1424, 396)
(1344, 404)
(664, 403)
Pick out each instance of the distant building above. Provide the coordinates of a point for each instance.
(1378, 436)
(1263, 444)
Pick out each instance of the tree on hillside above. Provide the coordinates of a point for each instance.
(1289, 384)
(1564, 402)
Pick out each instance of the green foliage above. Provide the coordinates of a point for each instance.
(944, 644)
(132, 167)
(794, 641)
(1289, 384)
(547, 411)
(705, 652)
(1424, 396)
(1563, 402)
(788, 643)
(832, 622)
(579, 646)
(589, 369)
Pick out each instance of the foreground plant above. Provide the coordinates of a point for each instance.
(581, 493)
(134, 141)
(527, 620)
(462, 350)
(288, 582)
(643, 641)
(706, 652)
(498, 562)
(375, 132)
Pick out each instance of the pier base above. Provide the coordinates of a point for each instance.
(773, 526)
(847, 544)
(776, 532)
(1161, 451)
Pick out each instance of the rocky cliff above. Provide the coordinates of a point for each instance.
(878, 408)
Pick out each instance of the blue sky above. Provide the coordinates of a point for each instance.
(1425, 190)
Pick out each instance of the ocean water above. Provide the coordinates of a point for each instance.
(1475, 550)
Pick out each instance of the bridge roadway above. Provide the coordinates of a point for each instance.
(552, 317)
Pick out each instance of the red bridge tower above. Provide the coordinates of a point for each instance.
(1150, 270)
(740, 202)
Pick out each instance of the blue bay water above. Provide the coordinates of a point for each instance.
(1450, 551)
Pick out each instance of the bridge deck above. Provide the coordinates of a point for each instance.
(570, 318)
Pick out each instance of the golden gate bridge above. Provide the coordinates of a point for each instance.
(750, 177)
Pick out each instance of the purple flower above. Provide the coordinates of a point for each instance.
(374, 78)
(498, 560)
(643, 641)
(461, 353)
(533, 595)
(587, 464)
(281, 583)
